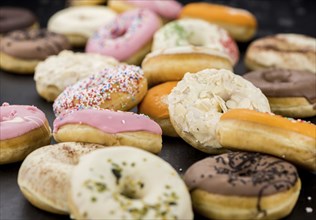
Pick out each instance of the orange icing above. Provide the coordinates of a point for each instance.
(219, 13)
(269, 119)
(153, 104)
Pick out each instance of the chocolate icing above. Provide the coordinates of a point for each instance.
(285, 83)
(242, 174)
(33, 44)
(12, 18)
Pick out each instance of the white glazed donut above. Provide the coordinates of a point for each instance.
(45, 174)
(79, 23)
(53, 75)
(198, 101)
(127, 183)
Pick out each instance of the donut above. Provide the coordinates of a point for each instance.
(291, 93)
(239, 23)
(241, 185)
(119, 88)
(127, 183)
(21, 51)
(44, 176)
(155, 106)
(188, 45)
(108, 128)
(286, 51)
(57, 72)
(23, 129)
(128, 38)
(13, 18)
(79, 23)
(199, 99)
(85, 2)
(167, 10)
(292, 140)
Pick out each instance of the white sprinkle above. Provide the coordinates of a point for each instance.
(309, 198)
(123, 121)
(180, 169)
(309, 209)
(283, 156)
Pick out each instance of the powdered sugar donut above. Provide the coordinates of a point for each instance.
(199, 99)
(23, 128)
(118, 88)
(127, 183)
(188, 45)
(53, 75)
(79, 23)
(167, 9)
(128, 38)
(108, 128)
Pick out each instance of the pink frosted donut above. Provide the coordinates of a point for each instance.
(108, 128)
(167, 9)
(128, 38)
(23, 128)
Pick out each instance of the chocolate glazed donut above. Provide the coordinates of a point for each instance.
(248, 179)
(291, 93)
(12, 18)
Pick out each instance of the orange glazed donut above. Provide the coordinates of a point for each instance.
(155, 106)
(239, 23)
(293, 140)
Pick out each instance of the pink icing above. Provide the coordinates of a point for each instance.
(169, 9)
(108, 121)
(16, 120)
(126, 35)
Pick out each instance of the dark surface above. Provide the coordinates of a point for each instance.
(274, 16)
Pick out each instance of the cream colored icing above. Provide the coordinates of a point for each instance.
(108, 121)
(110, 182)
(198, 33)
(67, 68)
(198, 101)
(81, 20)
(16, 120)
(126, 35)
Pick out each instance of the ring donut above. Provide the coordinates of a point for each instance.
(128, 38)
(291, 93)
(44, 176)
(119, 88)
(127, 183)
(239, 23)
(292, 140)
(242, 185)
(154, 104)
(198, 101)
(188, 45)
(79, 23)
(23, 129)
(57, 72)
(108, 128)
(13, 18)
(21, 51)
(285, 51)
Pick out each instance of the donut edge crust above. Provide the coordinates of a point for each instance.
(16, 149)
(166, 127)
(216, 206)
(85, 133)
(16, 65)
(291, 146)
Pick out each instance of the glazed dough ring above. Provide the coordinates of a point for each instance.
(198, 101)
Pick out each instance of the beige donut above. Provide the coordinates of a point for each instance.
(199, 99)
(118, 88)
(53, 75)
(288, 51)
(127, 183)
(44, 176)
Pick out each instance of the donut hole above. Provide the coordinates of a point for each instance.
(131, 188)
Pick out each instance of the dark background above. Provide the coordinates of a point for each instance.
(274, 16)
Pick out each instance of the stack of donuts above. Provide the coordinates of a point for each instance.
(149, 69)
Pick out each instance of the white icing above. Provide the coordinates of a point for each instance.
(82, 20)
(198, 100)
(68, 67)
